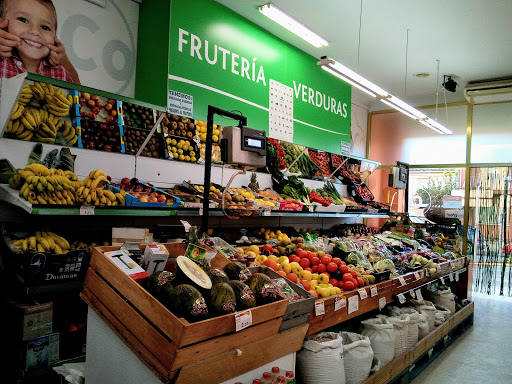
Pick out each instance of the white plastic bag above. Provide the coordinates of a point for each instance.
(321, 359)
(444, 296)
(382, 338)
(400, 328)
(357, 357)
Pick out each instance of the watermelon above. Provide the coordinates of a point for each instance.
(262, 287)
(244, 296)
(237, 271)
(186, 301)
(159, 284)
(223, 299)
(217, 276)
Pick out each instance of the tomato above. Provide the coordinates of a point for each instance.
(332, 267)
(308, 269)
(336, 260)
(343, 268)
(306, 284)
(267, 247)
(293, 277)
(353, 273)
(294, 258)
(347, 277)
(348, 285)
(343, 263)
(314, 260)
(304, 262)
(314, 268)
(299, 252)
(310, 254)
(360, 282)
(303, 255)
(326, 259)
(334, 282)
(321, 268)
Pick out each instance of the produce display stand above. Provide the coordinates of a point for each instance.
(175, 349)
(386, 290)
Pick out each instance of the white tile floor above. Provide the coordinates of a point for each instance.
(483, 354)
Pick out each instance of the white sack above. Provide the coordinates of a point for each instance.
(357, 357)
(382, 338)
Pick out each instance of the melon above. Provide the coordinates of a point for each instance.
(237, 271)
(222, 299)
(244, 296)
(159, 284)
(188, 272)
(187, 302)
(262, 287)
(217, 276)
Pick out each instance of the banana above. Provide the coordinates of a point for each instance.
(88, 199)
(37, 169)
(47, 140)
(36, 115)
(94, 195)
(24, 190)
(44, 243)
(59, 240)
(47, 130)
(8, 129)
(70, 99)
(38, 91)
(50, 241)
(103, 200)
(99, 182)
(40, 187)
(58, 250)
(61, 112)
(32, 242)
(40, 248)
(98, 173)
(26, 134)
(88, 182)
(17, 112)
(120, 198)
(17, 127)
(27, 113)
(26, 123)
(108, 203)
(41, 200)
(109, 195)
(43, 181)
(24, 245)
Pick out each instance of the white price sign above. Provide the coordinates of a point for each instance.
(442, 280)
(243, 319)
(419, 296)
(353, 304)
(373, 291)
(340, 302)
(319, 308)
(401, 298)
(417, 275)
(413, 295)
(362, 293)
(266, 212)
(402, 280)
(382, 302)
(451, 277)
(456, 276)
(87, 210)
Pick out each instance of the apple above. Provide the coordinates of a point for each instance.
(109, 119)
(154, 194)
(147, 190)
(83, 101)
(170, 201)
(112, 102)
(139, 188)
(95, 110)
(108, 107)
(143, 199)
(91, 103)
(94, 97)
(107, 148)
(100, 105)
(83, 113)
(86, 96)
(113, 112)
(91, 144)
(135, 194)
(92, 116)
(152, 199)
(161, 199)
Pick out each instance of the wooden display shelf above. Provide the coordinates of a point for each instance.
(172, 347)
(407, 360)
(386, 290)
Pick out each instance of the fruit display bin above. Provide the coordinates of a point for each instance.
(44, 268)
(133, 201)
(135, 137)
(360, 192)
(174, 348)
(100, 109)
(137, 116)
(85, 127)
(297, 313)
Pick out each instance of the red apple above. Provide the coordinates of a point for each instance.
(154, 194)
(139, 188)
(152, 199)
(112, 102)
(95, 110)
(83, 101)
(109, 119)
(143, 199)
(92, 116)
(91, 103)
(161, 199)
(113, 112)
(107, 148)
(99, 104)
(125, 181)
(94, 97)
(147, 189)
(108, 107)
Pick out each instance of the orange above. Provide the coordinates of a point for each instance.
(271, 264)
(292, 277)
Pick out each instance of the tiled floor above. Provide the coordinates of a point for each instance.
(483, 353)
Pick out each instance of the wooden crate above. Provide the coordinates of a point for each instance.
(163, 341)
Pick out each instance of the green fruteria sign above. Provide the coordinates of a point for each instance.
(217, 57)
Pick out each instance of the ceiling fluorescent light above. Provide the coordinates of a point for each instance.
(367, 86)
(288, 22)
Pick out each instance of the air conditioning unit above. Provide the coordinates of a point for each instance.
(491, 91)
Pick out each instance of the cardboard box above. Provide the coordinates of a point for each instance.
(37, 320)
(127, 265)
(155, 258)
(42, 351)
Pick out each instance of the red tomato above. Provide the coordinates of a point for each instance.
(293, 277)
(336, 260)
(306, 284)
(320, 268)
(360, 282)
(304, 263)
(334, 282)
(314, 268)
(353, 273)
(294, 258)
(348, 285)
(308, 269)
(326, 259)
(267, 247)
(343, 268)
(303, 255)
(299, 252)
(314, 260)
(347, 277)
(343, 263)
(310, 254)
(332, 267)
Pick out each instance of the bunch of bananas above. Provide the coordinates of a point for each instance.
(43, 242)
(75, 245)
(93, 192)
(36, 115)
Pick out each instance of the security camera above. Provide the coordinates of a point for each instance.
(449, 84)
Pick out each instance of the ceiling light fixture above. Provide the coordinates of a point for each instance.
(288, 22)
(360, 82)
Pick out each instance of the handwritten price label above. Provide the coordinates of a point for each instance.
(373, 291)
(442, 280)
(353, 304)
(402, 280)
(417, 275)
(266, 212)
(362, 293)
(340, 302)
(451, 277)
(87, 210)
(319, 308)
(243, 319)
(382, 302)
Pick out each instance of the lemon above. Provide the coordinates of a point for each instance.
(181, 157)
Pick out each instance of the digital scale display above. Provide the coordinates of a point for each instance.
(253, 143)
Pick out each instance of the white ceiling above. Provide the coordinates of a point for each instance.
(472, 39)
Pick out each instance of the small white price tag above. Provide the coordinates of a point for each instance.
(427, 273)
(186, 225)
(456, 276)
(451, 277)
(373, 291)
(402, 280)
(401, 298)
(422, 273)
(319, 308)
(87, 210)
(201, 211)
(438, 268)
(266, 212)
(453, 264)
(419, 296)
(417, 275)
(382, 302)
(243, 319)
(442, 280)
(353, 304)
(413, 295)
(362, 293)
(310, 208)
(340, 302)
